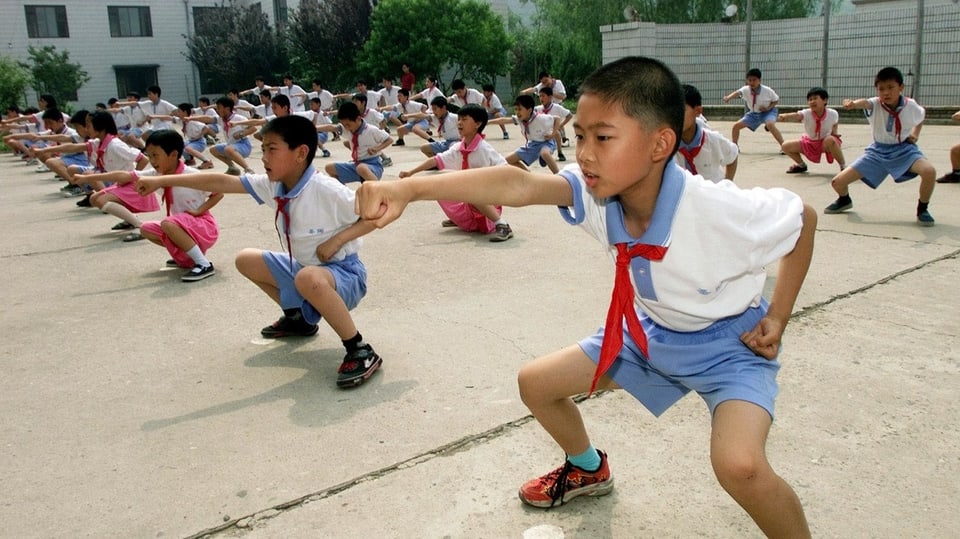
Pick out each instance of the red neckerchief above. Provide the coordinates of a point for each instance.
(282, 210)
(101, 149)
(526, 125)
(440, 123)
(895, 115)
(819, 120)
(689, 154)
(754, 94)
(354, 143)
(168, 191)
(621, 305)
(465, 151)
(546, 108)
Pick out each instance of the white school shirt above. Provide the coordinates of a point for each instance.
(193, 130)
(472, 97)
(482, 154)
(244, 108)
(719, 238)
(234, 131)
(537, 128)
(373, 117)
(184, 198)
(493, 105)
(120, 119)
(447, 127)
(369, 136)
(163, 107)
(716, 152)
(325, 97)
(389, 95)
(765, 96)
(557, 89)
(319, 207)
(428, 94)
(557, 111)
(136, 115)
(830, 118)
(883, 124)
(411, 107)
(296, 95)
(261, 111)
(118, 155)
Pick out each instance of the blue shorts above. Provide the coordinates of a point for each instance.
(713, 362)
(413, 123)
(501, 111)
(199, 145)
(135, 131)
(79, 159)
(441, 146)
(879, 160)
(349, 276)
(215, 128)
(347, 171)
(753, 120)
(530, 152)
(242, 146)
(323, 137)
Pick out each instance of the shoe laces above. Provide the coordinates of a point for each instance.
(556, 482)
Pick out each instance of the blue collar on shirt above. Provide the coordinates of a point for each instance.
(298, 188)
(658, 233)
(695, 141)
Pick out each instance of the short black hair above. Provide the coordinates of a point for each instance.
(226, 102)
(348, 111)
(281, 100)
(754, 72)
(103, 121)
(187, 108)
(457, 84)
(154, 90)
(404, 92)
(816, 90)
(478, 113)
(203, 100)
(296, 131)
(691, 96)
(644, 88)
(79, 117)
(888, 73)
(439, 101)
(52, 114)
(360, 97)
(543, 74)
(525, 101)
(49, 100)
(546, 90)
(167, 140)
(487, 87)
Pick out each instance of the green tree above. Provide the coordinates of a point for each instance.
(54, 74)
(232, 44)
(325, 36)
(463, 35)
(14, 80)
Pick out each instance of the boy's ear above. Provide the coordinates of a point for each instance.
(666, 141)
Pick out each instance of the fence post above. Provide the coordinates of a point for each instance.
(918, 52)
(825, 52)
(749, 35)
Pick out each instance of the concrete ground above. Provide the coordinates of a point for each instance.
(135, 405)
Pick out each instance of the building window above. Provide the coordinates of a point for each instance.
(280, 12)
(135, 78)
(47, 21)
(129, 21)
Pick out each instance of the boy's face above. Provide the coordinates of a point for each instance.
(439, 112)
(82, 130)
(487, 93)
(264, 99)
(467, 126)
(314, 106)
(690, 115)
(153, 97)
(889, 92)
(547, 81)
(223, 112)
(288, 82)
(616, 153)
(164, 163)
(362, 87)
(282, 163)
(360, 105)
(387, 83)
(753, 82)
(521, 112)
(816, 103)
(545, 99)
(278, 110)
(53, 125)
(351, 125)
(316, 87)
(460, 92)
(402, 99)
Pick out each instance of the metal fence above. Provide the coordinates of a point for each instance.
(842, 53)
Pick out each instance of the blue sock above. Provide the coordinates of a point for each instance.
(588, 461)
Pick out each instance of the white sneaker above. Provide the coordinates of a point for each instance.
(42, 168)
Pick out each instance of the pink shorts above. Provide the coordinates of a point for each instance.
(203, 230)
(129, 197)
(466, 217)
(812, 149)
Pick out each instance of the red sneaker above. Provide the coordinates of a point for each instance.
(566, 483)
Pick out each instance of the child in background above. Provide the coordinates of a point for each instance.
(548, 106)
(494, 107)
(820, 125)
(761, 103)
(189, 229)
(365, 142)
(402, 112)
(697, 319)
(372, 116)
(954, 175)
(540, 132)
(238, 147)
(470, 152)
(704, 151)
(193, 131)
(446, 124)
(320, 275)
(895, 121)
(58, 162)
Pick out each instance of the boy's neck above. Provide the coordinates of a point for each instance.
(468, 139)
(689, 133)
(290, 182)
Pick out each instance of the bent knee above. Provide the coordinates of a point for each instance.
(247, 259)
(735, 468)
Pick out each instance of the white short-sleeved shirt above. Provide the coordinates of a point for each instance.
(389, 95)
(193, 130)
(184, 198)
(368, 136)
(754, 102)
(137, 117)
(319, 207)
(373, 116)
(829, 119)
(557, 90)
(162, 107)
(446, 127)
(325, 97)
(711, 151)
(481, 154)
(538, 128)
(555, 110)
(884, 125)
(472, 97)
(719, 240)
(117, 155)
(234, 131)
(428, 94)
(493, 104)
(121, 119)
(410, 107)
(296, 95)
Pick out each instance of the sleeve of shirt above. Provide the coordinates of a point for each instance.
(773, 95)
(259, 187)
(558, 88)
(124, 151)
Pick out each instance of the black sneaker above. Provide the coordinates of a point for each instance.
(198, 273)
(171, 263)
(287, 327)
(502, 232)
(357, 366)
(838, 206)
(950, 177)
(561, 157)
(84, 202)
(400, 142)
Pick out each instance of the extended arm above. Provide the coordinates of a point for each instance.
(203, 181)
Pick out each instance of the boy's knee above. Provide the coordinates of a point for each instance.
(311, 278)
(738, 469)
(330, 169)
(247, 259)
